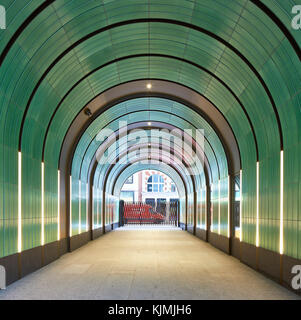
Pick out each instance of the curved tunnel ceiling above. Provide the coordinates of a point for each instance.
(153, 110)
(185, 184)
(177, 156)
(107, 173)
(219, 63)
(156, 155)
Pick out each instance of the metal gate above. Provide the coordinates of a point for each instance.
(143, 213)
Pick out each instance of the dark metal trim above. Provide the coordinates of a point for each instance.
(22, 27)
(159, 158)
(154, 127)
(137, 126)
(127, 176)
(162, 56)
(160, 20)
(280, 25)
(138, 147)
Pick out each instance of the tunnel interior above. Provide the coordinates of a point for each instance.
(92, 92)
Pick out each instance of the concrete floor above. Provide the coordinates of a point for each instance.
(146, 264)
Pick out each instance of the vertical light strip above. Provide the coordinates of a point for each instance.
(201, 213)
(205, 208)
(219, 207)
(93, 209)
(19, 202)
(42, 204)
(97, 217)
(70, 204)
(257, 204)
(211, 208)
(281, 201)
(229, 202)
(58, 205)
(79, 207)
(87, 207)
(240, 207)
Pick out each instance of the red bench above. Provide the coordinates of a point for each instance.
(140, 214)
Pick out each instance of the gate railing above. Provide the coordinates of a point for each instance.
(141, 213)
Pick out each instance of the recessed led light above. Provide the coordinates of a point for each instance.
(19, 202)
(43, 205)
(149, 123)
(58, 205)
(149, 86)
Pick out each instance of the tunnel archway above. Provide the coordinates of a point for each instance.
(68, 70)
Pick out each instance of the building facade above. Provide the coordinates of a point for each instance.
(149, 186)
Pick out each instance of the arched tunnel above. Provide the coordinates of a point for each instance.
(207, 92)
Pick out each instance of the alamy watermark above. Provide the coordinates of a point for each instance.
(296, 281)
(296, 21)
(2, 278)
(152, 145)
(2, 17)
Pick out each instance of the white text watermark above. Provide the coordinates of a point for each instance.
(296, 281)
(2, 278)
(151, 145)
(296, 21)
(2, 18)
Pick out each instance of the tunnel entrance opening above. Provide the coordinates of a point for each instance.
(149, 197)
(140, 213)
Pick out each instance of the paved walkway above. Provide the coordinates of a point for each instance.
(146, 264)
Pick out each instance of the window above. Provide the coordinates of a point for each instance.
(127, 196)
(155, 183)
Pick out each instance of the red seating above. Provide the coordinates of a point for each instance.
(140, 213)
